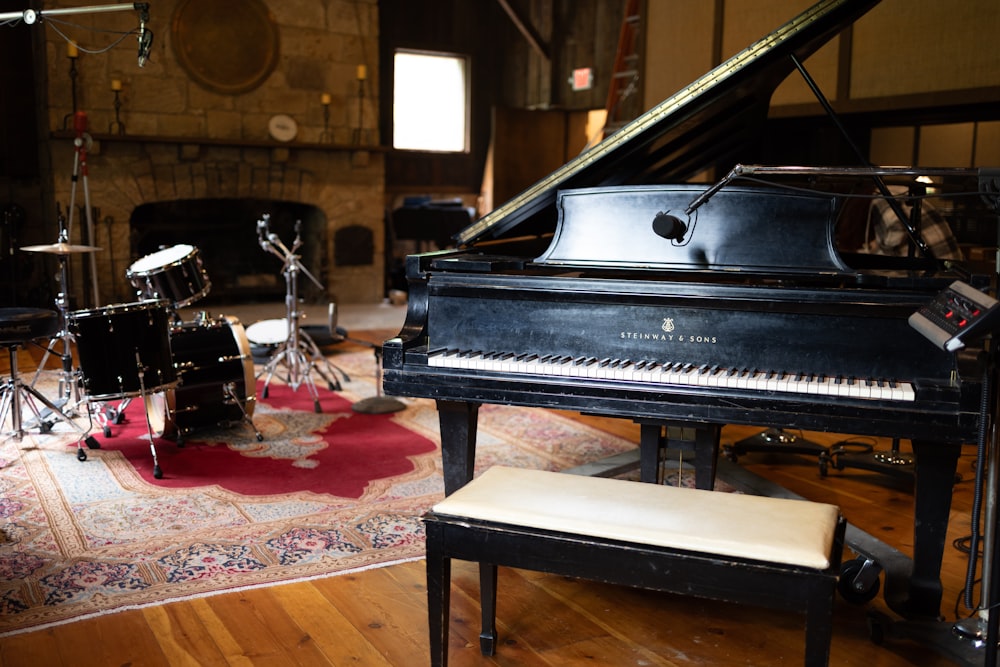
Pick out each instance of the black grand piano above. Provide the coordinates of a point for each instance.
(614, 287)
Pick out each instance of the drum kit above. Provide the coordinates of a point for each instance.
(187, 374)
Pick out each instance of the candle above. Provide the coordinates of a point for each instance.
(71, 50)
(116, 84)
(325, 99)
(362, 72)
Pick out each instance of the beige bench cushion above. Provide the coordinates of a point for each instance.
(778, 530)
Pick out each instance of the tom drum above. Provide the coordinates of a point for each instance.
(174, 273)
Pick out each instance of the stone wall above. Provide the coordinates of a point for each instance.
(178, 138)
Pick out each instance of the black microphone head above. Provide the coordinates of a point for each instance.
(669, 226)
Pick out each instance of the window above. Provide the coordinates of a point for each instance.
(430, 102)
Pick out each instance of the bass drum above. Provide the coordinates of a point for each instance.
(124, 349)
(217, 383)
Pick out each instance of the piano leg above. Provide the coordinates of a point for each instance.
(917, 594)
(458, 421)
(654, 437)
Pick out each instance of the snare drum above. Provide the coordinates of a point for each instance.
(174, 273)
(124, 349)
(217, 383)
(268, 332)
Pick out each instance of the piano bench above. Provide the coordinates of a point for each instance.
(771, 552)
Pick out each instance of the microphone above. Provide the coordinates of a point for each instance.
(145, 36)
(669, 226)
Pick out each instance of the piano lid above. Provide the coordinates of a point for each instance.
(703, 123)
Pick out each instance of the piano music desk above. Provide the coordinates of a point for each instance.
(770, 552)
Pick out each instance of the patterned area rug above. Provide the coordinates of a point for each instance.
(320, 495)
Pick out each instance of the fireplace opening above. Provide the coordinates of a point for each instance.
(225, 233)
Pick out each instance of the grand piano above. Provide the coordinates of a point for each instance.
(615, 287)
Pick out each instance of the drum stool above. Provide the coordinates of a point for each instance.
(18, 326)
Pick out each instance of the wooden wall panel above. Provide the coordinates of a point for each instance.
(946, 145)
(904, 47)
(678, 46)
(987, 144)
(893, 146)
(529, 145)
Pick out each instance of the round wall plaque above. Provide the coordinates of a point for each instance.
(225, 50)
(282, 127)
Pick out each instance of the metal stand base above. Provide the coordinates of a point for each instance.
(14, 393)
(942, 636)
(378, 404)
(774, 440)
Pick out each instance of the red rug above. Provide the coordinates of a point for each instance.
(320, 495)
(337, 451)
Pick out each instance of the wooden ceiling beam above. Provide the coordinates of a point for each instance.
(529, 32)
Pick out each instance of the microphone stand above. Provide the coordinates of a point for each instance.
(298, 354)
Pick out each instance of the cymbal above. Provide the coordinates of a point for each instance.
(60, 248)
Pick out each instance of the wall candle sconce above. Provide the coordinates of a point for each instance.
(72, 53)
(116, 126)
(359, 130)
(324, 136)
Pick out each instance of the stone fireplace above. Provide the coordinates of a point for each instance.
(147, 194)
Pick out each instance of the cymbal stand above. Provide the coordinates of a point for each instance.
(69, 395)
(299, 354)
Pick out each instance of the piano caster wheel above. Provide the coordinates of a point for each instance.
(849, 583)
(730, 453)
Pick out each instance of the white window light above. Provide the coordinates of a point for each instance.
(430, 102)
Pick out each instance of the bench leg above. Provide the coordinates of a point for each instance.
(488, 605)
(438, 597)
(819, 626)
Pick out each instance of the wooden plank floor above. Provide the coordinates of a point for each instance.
(377, 617)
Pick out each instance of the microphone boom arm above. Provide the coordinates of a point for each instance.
(32, 16)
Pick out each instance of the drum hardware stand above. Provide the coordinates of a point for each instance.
(229, 388)
(147, 404)
(14, 392)
(68, 378)
(299, 354)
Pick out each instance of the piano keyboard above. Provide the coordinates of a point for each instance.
(679, 373)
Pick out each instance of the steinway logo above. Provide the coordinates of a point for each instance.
(669, 333)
